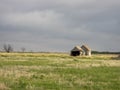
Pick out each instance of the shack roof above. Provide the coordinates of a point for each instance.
(85, 47)
(77, 48)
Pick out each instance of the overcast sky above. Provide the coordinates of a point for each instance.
(59, 25)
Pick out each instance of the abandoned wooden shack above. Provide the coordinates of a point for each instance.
(76, 51)
(86, 49)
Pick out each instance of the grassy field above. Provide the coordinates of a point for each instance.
(57, 71)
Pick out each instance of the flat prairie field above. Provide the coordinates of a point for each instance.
(59, 71)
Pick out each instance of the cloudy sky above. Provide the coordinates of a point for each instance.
(59, 25)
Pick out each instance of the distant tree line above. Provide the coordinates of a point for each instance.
(104, 52)
(9, 48)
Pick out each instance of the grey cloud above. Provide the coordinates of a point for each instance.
(59, 25)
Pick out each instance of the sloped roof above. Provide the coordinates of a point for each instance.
(85, 47)
(77, 48)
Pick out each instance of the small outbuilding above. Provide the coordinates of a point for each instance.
(87, 50)
(76, 51)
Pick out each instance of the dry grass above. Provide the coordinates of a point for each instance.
(57, 71)
(3, 87)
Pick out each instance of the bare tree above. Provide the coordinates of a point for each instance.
(8, 48)
(23, 49)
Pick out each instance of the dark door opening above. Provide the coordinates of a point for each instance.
(75, 53)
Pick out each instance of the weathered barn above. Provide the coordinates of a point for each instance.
(87, 50)
(76, 51)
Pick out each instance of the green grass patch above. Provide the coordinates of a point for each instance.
(50, 71)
